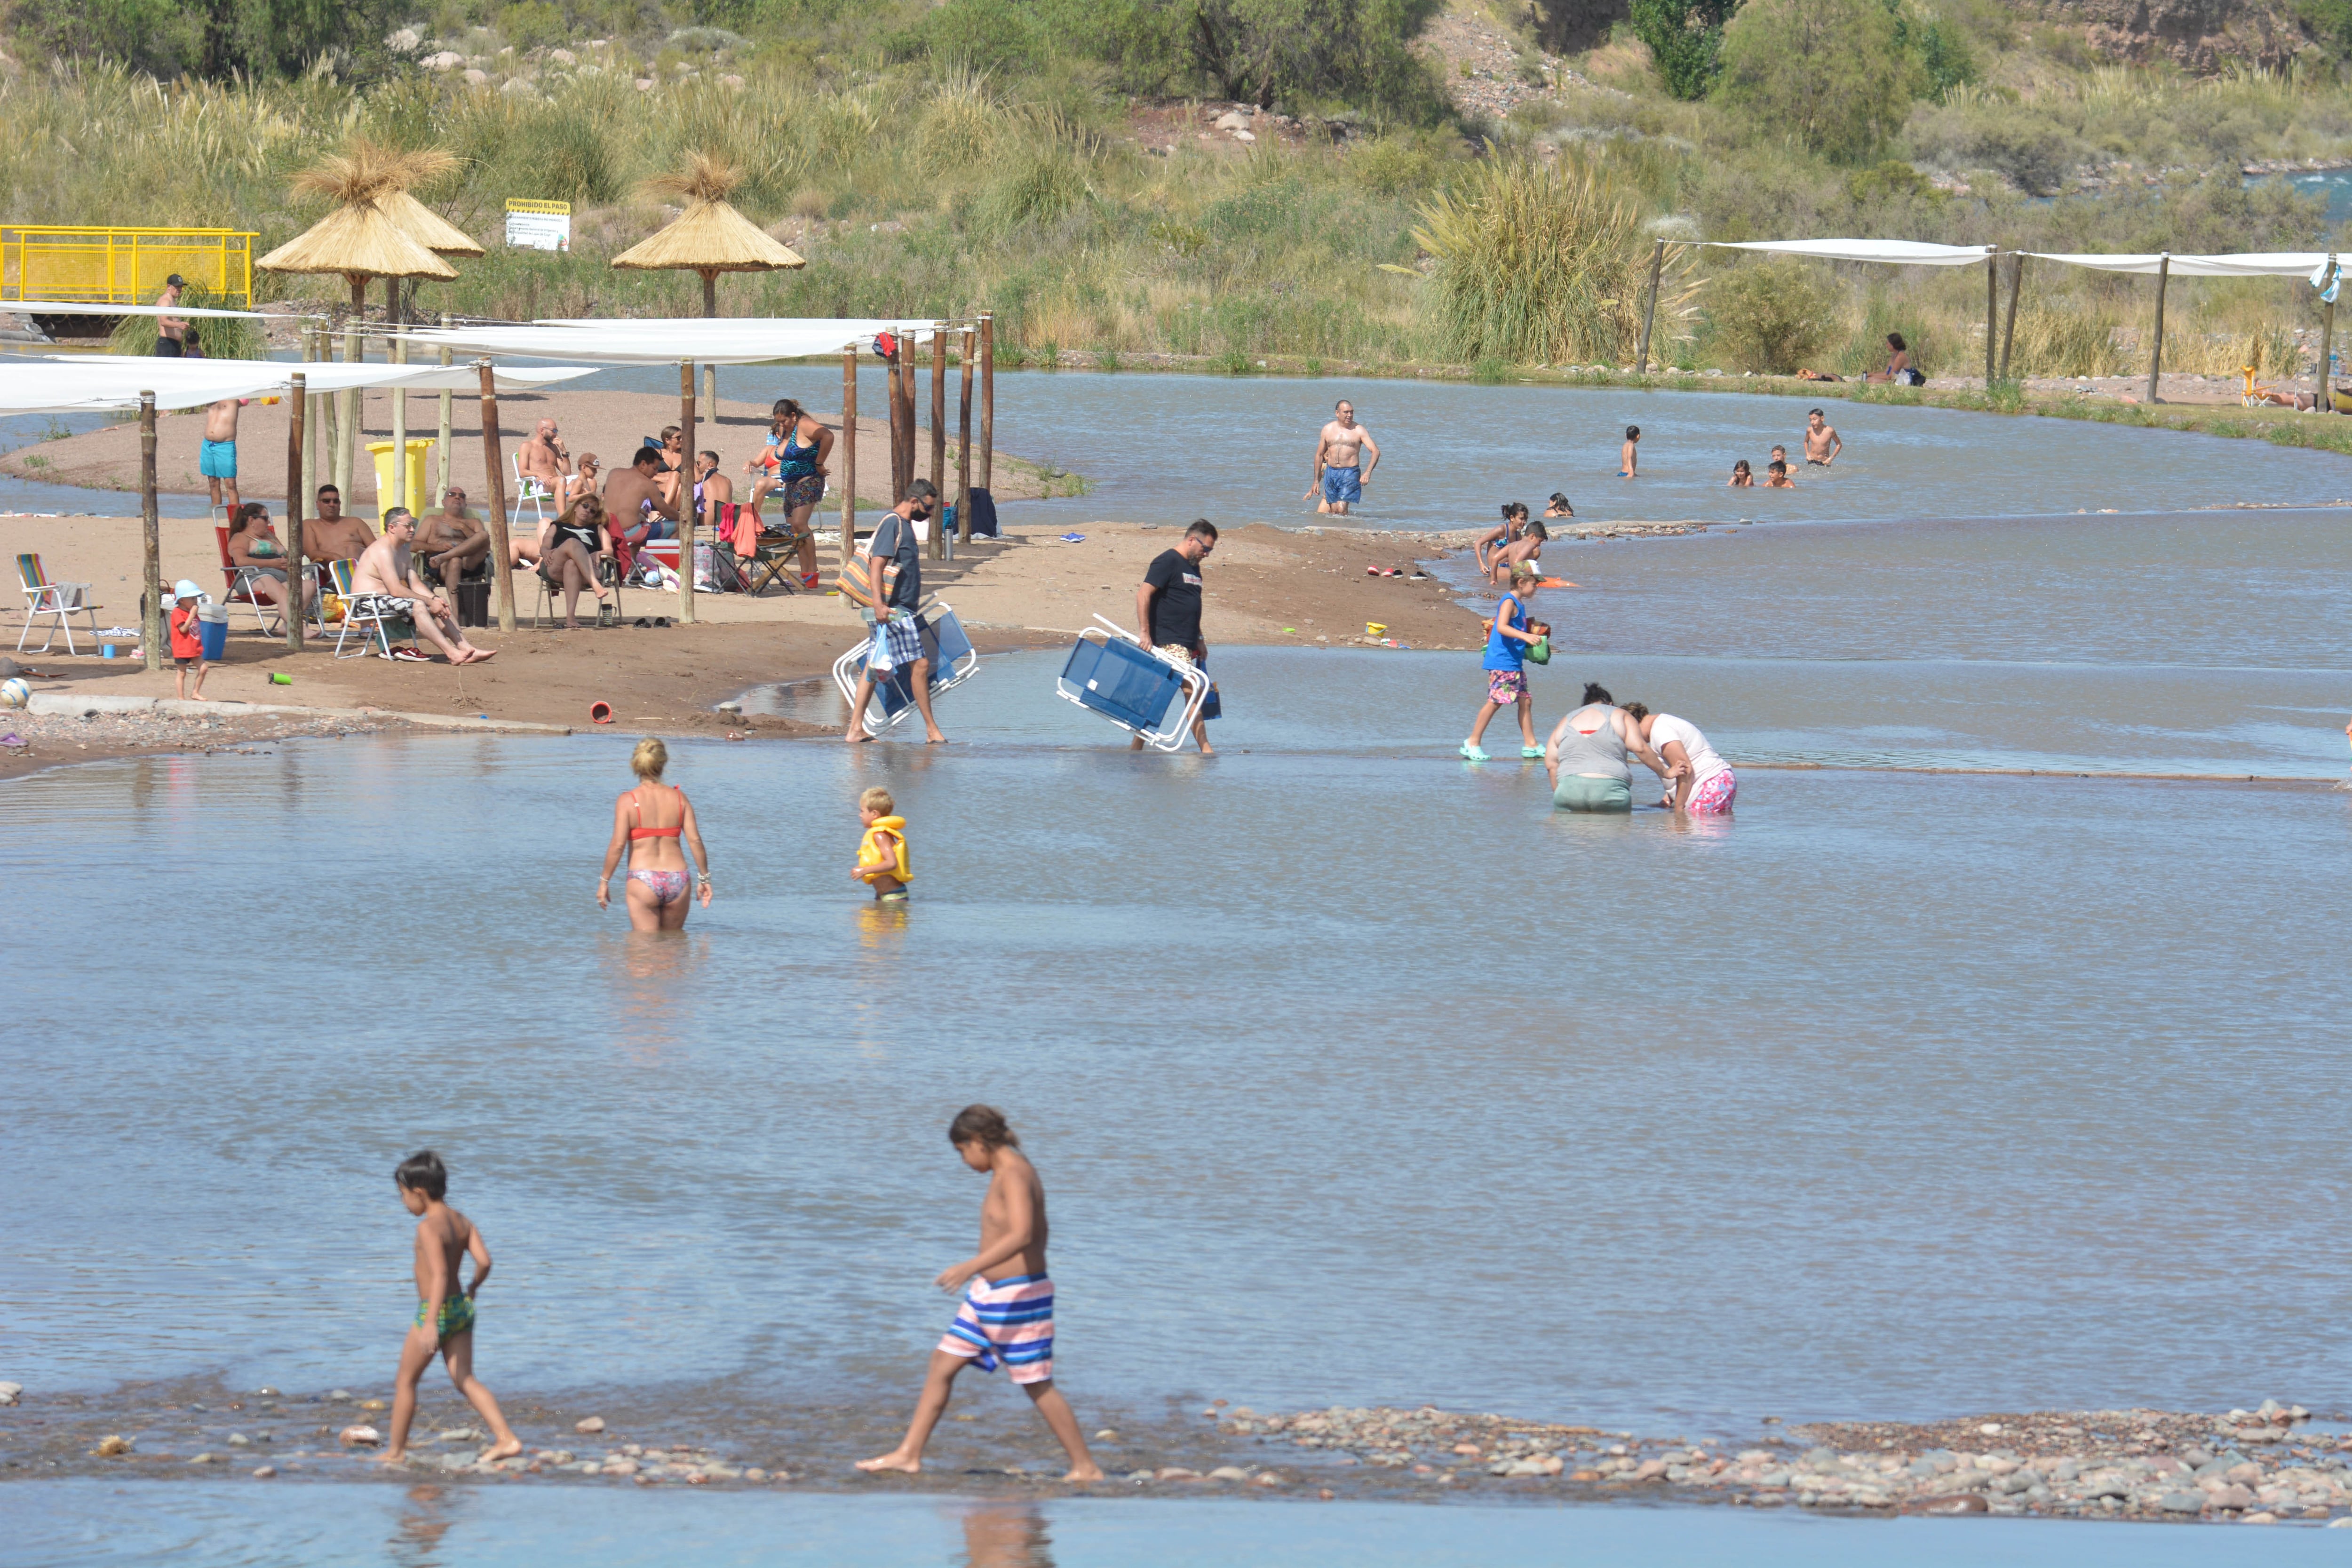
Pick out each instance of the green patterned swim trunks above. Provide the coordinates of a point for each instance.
(456, 1316)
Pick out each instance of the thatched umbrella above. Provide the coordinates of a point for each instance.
(710, 236)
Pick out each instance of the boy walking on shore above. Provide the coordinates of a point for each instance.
(1008, 1310)
(445, 1313)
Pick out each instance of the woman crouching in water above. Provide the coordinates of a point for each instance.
(1586, 756)
(650, 822)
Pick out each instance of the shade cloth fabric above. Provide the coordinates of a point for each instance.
(65, 384)
(2244, 264)
(1899, 252)
(85, 308)
(726, 340)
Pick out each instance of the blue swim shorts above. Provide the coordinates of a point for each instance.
(1343, 484)
(218, 461)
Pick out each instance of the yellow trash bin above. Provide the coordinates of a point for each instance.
(381, 452)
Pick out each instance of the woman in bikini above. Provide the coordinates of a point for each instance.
(254, 544)
(651, 822)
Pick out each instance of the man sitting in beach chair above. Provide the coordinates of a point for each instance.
(388, 581)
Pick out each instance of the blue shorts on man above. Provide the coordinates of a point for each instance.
(218, 461)
(1343, 485)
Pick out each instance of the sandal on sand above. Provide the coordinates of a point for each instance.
(1471, 753)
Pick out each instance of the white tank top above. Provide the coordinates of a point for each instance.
(1704, 763)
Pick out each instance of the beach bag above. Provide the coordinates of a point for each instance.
(1537, 651)
(857, 575)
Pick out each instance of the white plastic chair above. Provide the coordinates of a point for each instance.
(58, 600)
(527, 493)
(371, 618)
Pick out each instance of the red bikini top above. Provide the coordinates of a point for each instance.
(636, 803)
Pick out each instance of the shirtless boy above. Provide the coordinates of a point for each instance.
(1339, 478)
(216, 460)
(544, 462)
(1821, 441)
(1629, 459)
(331, 536)
(444, 1312)
(1008, 1310)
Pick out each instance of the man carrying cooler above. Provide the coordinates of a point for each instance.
(1168, 610)
(895, 561)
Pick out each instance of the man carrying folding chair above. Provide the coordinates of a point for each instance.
(896, 574)
(1168, 609)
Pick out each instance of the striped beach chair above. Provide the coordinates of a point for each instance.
(56, 601)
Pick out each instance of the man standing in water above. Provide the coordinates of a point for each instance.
(1168, 610)
(1008, 1310)
(1822, 443)
(1337, 458)
(895, 560)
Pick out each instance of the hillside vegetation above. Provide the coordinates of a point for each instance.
(1061, 162)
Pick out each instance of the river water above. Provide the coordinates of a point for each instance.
(1357, 1074)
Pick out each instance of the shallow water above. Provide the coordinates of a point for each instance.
(202, 1525)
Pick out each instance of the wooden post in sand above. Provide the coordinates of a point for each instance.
(2326, 399)
(352, 406)
(441, 458)
(311, 421)
(963, 442)
(1992, 313)
(1650, 310)
(502, 559)
(2156, 355)
(400, 495)
(939, 442)
(150, 620)
(847, 449)
(890, 390)
(294, 520)
(987, 401)
(685, 507)
(2008, 318)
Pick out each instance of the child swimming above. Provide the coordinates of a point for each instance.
(1776, 478)
(1742, 476)
(882, 861)
(445, 1313)
(1627, 459)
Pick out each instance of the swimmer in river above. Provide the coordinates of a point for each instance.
(1341, 472)
(1628, 460)
(1742, 476)
(1776, 478)
(1007, 1314)
(650, 822)
(1822, 443)
(1558, 507)
(1780, 456)
(882, 861)
(445, 1313)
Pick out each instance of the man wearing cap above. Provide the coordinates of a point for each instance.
(386, 582)
(170, 328)
(897, 634)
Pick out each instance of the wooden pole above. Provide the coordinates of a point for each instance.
(898, 436)
(2009, 318)
(314, 422)
(2326, 401)
(502, 572)
(1993, 315)
(964, 441)
(2155, 355)
(400, 495)
(847, 450)
(939, 441)
(151, 622)
(711, 372)
(347, 428)
(687, 511)
(1650, 310)
(294, 518)
(441, 453)
(987, 401)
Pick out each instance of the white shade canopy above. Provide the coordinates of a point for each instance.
(726, 340)
(2242, 264)
(86, 308)
(99, 383)
(1899, 252)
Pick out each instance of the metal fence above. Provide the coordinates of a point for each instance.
(122, 266)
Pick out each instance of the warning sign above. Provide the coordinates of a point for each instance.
(539, 225)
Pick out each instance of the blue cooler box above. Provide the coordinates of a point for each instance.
(212, 630)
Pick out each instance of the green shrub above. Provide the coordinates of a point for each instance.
(1684, 39)
(1771, 316)
(1827, 73)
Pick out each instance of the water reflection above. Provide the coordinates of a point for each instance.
(426, 1515)
(1007, 1535)
(649, 972)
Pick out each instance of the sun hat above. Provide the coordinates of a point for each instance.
(186, 588)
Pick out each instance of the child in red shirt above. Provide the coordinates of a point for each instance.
(187, 643)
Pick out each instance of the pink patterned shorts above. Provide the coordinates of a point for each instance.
(1715, 796)
(1506, 687)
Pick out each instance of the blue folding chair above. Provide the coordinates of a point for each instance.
(953, 661)
(1113, 673)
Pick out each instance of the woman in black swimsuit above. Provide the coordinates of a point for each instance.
(569, 550)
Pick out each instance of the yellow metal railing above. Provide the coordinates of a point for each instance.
(122, 266)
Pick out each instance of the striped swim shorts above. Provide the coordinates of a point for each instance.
(1009, 1320)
